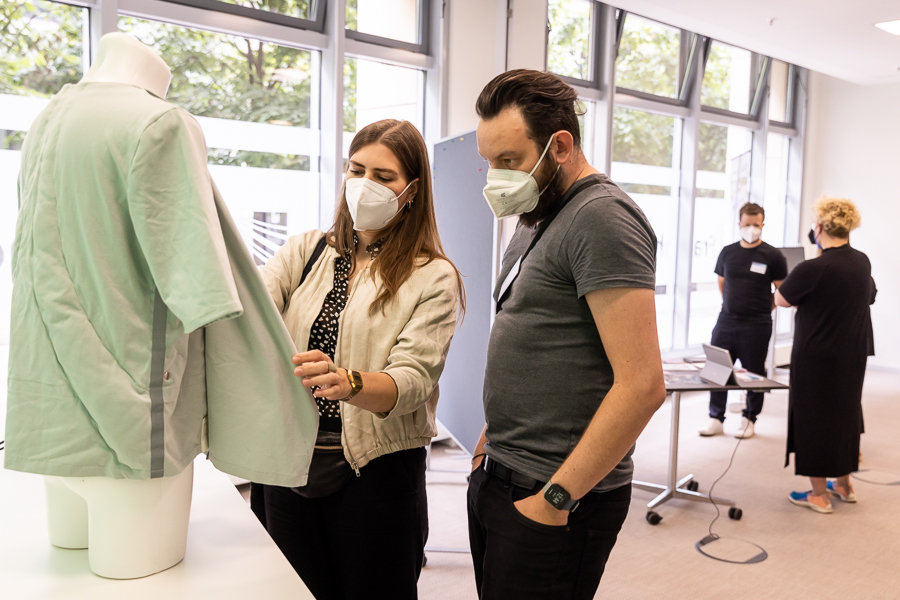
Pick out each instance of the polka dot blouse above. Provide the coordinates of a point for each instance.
(324, 333)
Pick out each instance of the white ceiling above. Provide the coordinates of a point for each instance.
(835, 37)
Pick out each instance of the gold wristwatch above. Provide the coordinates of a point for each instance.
(356, 384)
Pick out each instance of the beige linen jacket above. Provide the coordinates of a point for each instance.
(409, 340)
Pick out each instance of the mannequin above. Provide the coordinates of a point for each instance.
(123, 59)
(131, 528)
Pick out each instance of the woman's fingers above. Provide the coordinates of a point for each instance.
(332, 393)
(312, 368)
(311, 356)
(322, 381)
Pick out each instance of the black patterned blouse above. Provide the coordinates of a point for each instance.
(323, 335)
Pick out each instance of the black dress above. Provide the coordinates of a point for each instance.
(832, 294)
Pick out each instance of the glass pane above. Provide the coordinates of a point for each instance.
(253, 100)
(586, 121)
(729, 81)
(723, 186)
(775, 203)
(649, 57)
(392, 19)
(644, 167)
(569, 44)
(302, 9)
(42, 48)
(775, 195)
(778, 91)
(374, 91)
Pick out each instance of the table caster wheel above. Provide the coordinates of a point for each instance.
(653, 518)
(735, 513)
(693, 486)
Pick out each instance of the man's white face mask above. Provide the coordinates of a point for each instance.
(511, 193)
(751, 233)
(372, 205)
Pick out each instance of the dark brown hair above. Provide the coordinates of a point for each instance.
(752, 209)
(412, 237)
(548, 104)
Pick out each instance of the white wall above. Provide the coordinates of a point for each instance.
(852, 151)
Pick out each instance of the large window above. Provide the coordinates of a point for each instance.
(254, 101)
(644, 166)
(569, 51)
(42, 48)
(665, 124)
(649, 56)
(723, 186)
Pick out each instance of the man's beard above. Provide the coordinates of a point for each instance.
(547, 175)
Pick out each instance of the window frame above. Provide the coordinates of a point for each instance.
(595, 52)
(423, 45)
(687, 63)
(759, 90)
(317, 23)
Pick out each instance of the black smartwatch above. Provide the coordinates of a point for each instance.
(559, 498)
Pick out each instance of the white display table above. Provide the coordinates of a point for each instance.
(229, 554)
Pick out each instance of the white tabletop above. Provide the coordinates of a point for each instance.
(229, 554)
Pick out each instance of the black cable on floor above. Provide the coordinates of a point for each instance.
(725, 472)
(712, 537)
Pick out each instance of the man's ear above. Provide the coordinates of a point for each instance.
(564, 147)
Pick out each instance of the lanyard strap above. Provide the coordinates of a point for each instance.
(514, 272)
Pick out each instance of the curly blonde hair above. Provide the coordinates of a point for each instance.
(837, 216)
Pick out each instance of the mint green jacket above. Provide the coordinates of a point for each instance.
(139, 319)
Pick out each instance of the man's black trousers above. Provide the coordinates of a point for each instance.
(515, 557)
(748, 342)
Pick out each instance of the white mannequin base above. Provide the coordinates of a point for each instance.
(131, 528)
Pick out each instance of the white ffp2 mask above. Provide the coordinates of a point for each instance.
(372, 205)
(510, 193)
(751, 233)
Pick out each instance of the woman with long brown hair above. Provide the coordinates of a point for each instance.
(372, 305)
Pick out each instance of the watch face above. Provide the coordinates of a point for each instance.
(556, 496)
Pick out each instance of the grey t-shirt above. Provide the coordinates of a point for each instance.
(547, 371)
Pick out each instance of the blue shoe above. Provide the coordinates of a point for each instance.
(850, 497)
(802, 499)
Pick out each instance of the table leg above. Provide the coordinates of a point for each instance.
(675, 489)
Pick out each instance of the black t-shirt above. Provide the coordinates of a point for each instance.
(749, 273)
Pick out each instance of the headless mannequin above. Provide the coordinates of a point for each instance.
(132, 528)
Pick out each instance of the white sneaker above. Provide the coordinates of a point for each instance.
(714, 427)
(746, 430)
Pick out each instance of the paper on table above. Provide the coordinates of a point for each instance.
(679, 367)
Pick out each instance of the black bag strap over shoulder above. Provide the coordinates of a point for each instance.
(313, 259)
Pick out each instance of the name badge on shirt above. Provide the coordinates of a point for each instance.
(758, 268)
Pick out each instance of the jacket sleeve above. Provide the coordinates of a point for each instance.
(417, 359)
(170, 199)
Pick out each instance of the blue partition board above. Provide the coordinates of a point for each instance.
(466, 225)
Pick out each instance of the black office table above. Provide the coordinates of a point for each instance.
(686, 488)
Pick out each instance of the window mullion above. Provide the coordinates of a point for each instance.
(332, 112)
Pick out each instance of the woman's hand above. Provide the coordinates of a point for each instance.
(317, 370)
